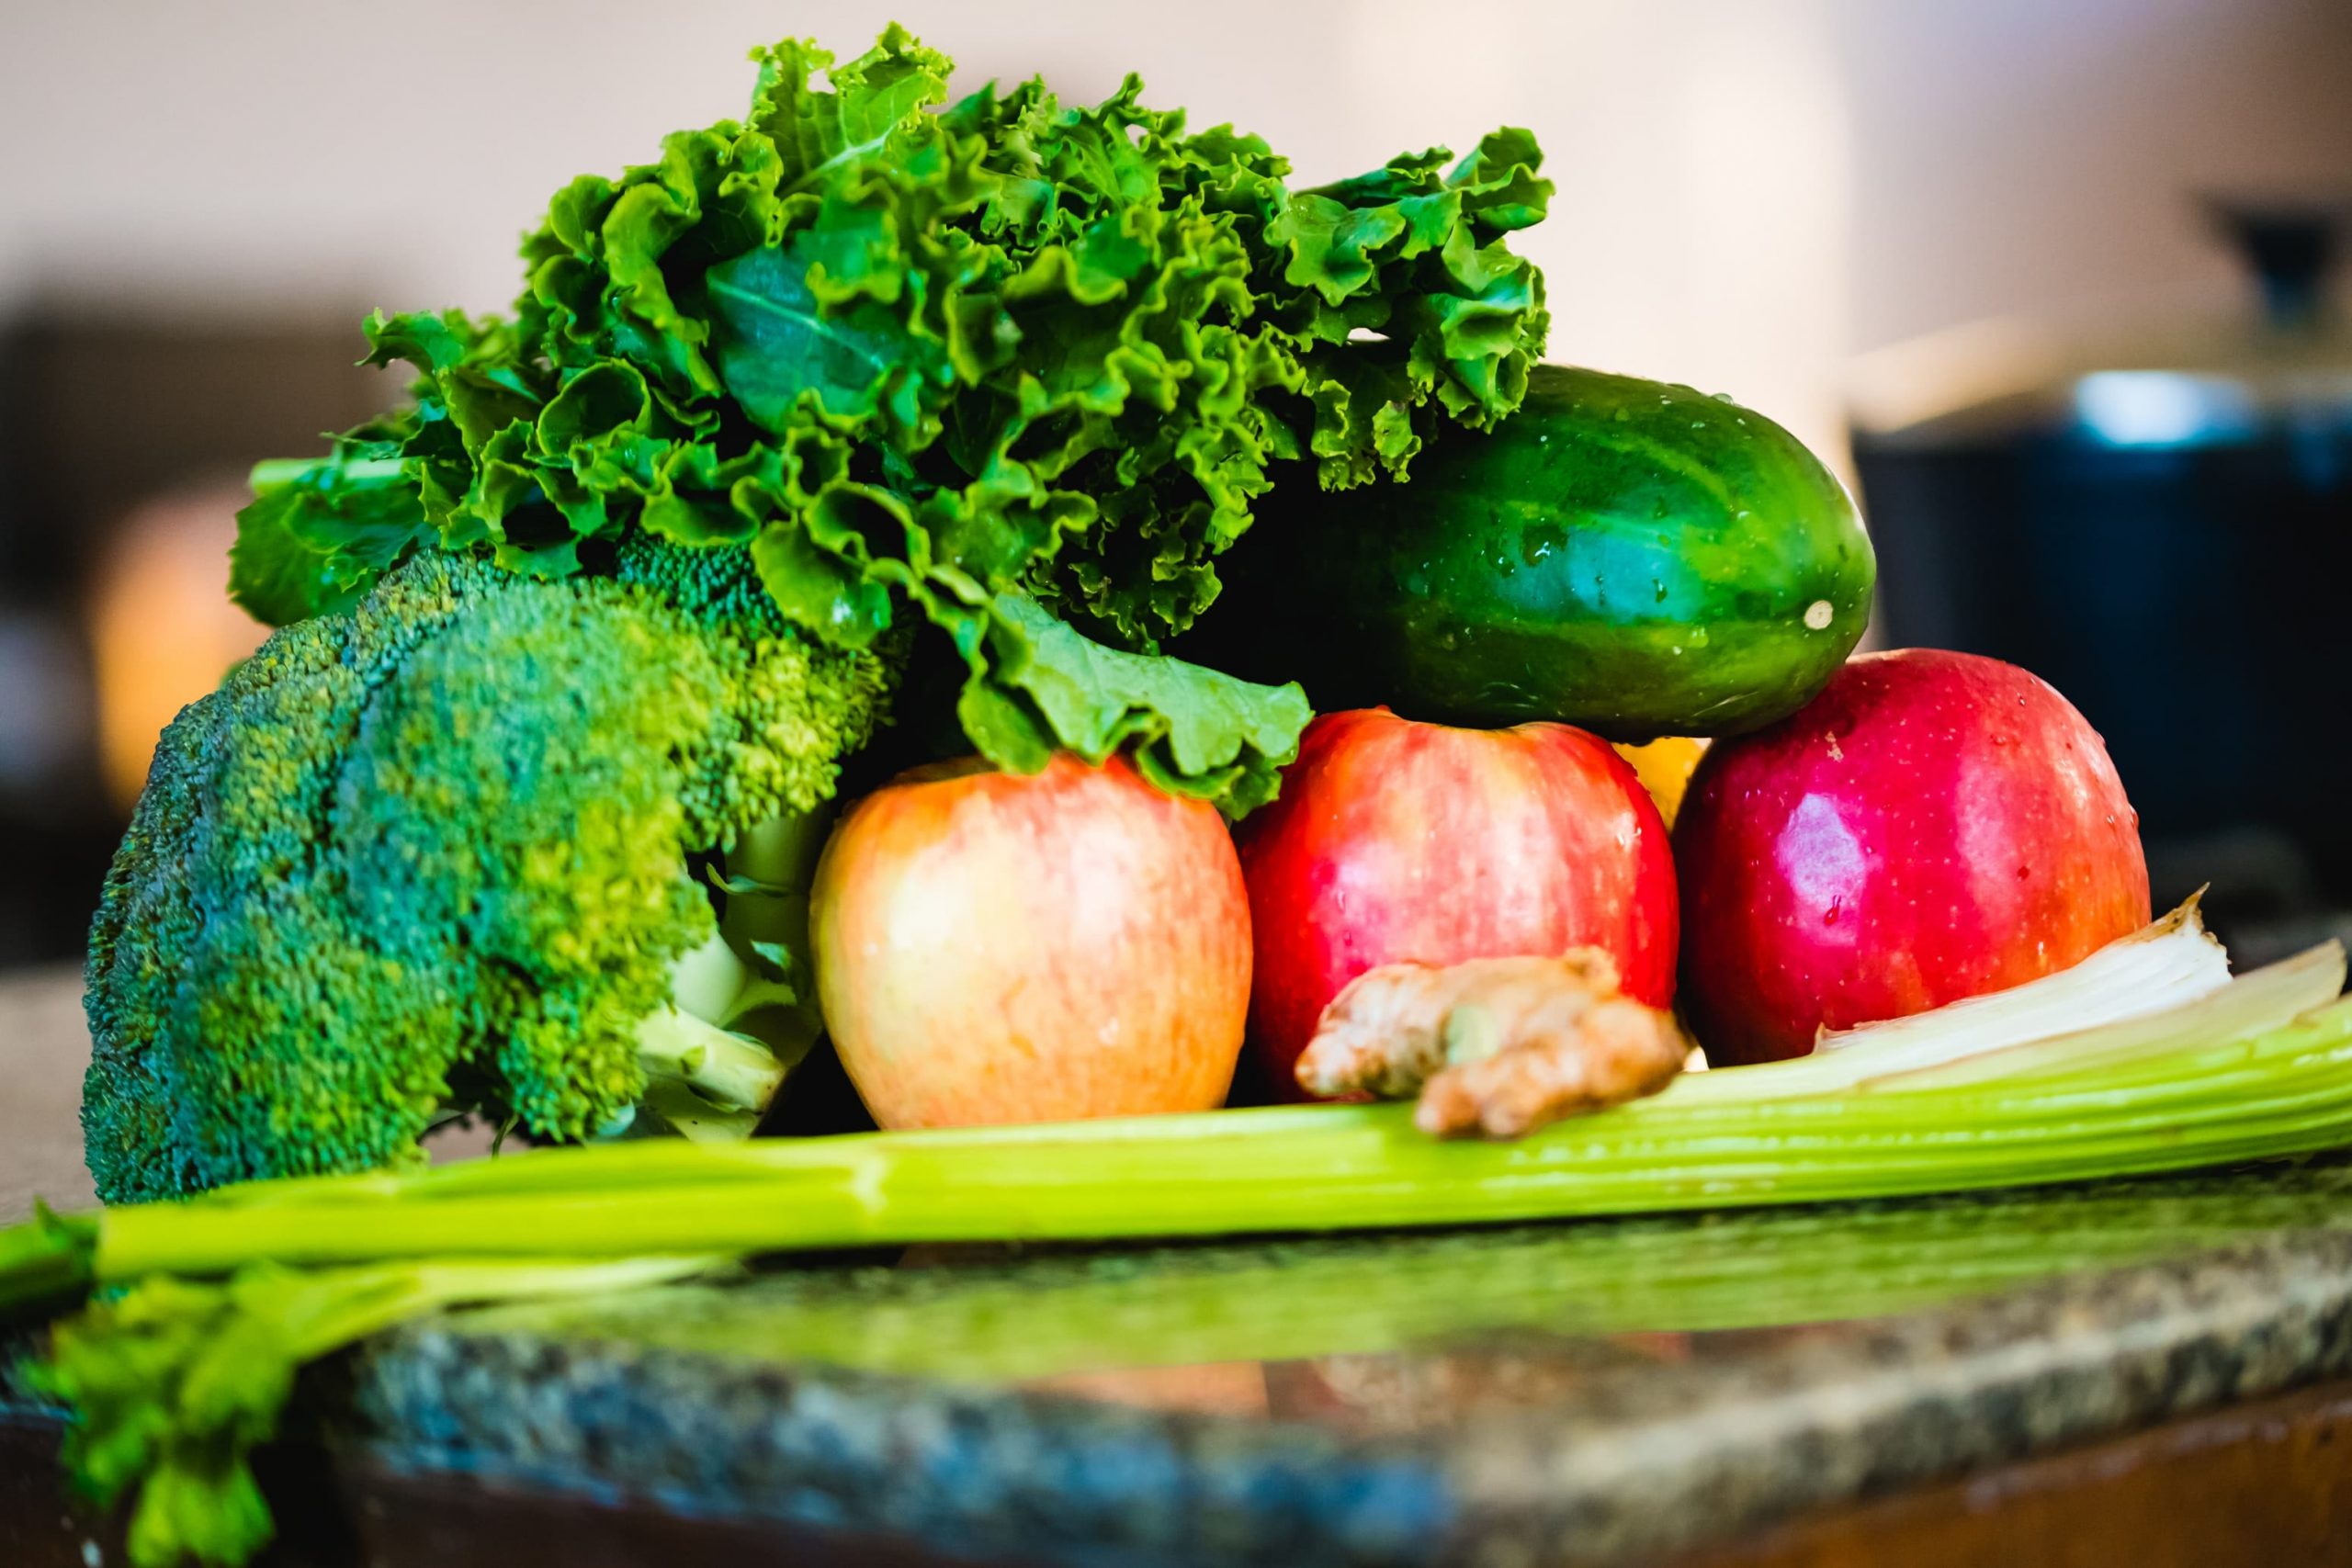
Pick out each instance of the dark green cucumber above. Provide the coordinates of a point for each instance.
(1633, 557)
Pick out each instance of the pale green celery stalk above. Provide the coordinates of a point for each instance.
(2286, 1093)
(2178, 1067)
(2057, 1065)
(2154, 973)
(2172, 961)
(653, 1163)
(1316, 1135)
(911, 1199)
(2265, 998)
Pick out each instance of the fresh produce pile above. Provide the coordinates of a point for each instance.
(991, 471)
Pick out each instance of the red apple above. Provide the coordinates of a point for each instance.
(1933, 826)
(1395, 841)
(995, 948)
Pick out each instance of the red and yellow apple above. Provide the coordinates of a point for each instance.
(1933, 826)
(996, 948)
(1395, 841)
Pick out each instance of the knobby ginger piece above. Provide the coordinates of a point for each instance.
(1570, 1060)
(1495, 1046)
(1384, 1034)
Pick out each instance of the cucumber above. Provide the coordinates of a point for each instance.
(1632, 558)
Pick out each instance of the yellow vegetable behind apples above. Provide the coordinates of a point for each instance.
(1666, 765)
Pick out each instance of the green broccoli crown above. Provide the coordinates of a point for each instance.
(441, 837)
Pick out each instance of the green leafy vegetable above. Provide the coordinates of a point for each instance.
(316, 537)
(175, 1383)
(917, 355)
(1191, 731)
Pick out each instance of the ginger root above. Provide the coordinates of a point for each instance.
(1497, 1046)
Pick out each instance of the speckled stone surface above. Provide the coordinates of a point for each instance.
(1587, 1393)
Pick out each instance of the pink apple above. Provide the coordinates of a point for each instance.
(996, 948)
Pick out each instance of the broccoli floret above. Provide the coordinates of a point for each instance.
(437, 852)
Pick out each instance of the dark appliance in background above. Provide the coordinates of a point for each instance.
(2160, 524)
(99, 415)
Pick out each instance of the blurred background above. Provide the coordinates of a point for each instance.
(2049, 279)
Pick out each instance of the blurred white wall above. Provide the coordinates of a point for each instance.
(1749, 189)
(2039, 157)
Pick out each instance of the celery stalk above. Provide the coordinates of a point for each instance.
(2287, 1091)
(2128, 994)
(2160, 966)
(2264, 999)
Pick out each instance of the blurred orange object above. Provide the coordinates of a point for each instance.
(1665, 766)
(163, 630)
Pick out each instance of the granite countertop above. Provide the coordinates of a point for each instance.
(1601, 1391)
(1595, 1393)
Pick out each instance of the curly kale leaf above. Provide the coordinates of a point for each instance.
(914, 356)
(1191, 731)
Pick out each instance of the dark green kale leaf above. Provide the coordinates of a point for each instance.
(918, 356)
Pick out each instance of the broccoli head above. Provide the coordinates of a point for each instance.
(439, 851)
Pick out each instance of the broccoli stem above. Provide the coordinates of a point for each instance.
(714, 984)
(731, 1077)
(777, 861)
(742, 1014)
